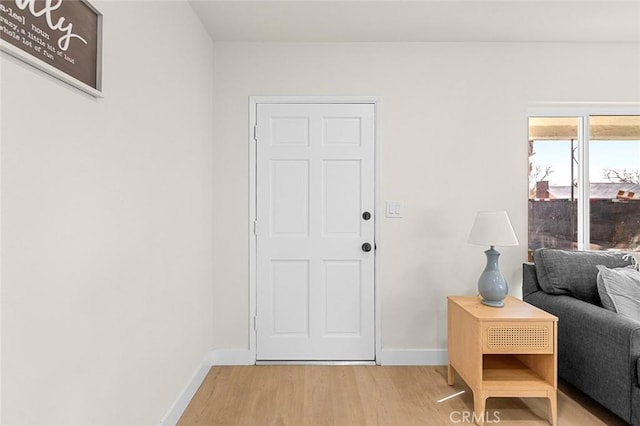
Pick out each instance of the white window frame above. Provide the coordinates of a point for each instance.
(582, 111)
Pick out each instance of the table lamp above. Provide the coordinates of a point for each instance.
(492, 228)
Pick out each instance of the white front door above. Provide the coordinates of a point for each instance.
(315, 205)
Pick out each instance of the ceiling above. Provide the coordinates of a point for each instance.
(415, 21)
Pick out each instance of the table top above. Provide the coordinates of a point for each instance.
(514, 309)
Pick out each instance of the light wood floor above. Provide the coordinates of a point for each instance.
(365, 395)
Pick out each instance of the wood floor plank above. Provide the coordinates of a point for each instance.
(317, 395)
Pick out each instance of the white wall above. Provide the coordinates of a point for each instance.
(454, 138)
(107, 226)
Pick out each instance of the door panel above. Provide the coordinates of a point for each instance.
(342, 287)
(290, 301)
(342, 198)
(289, 197)
(342, 130)
(315, 284)
(289, 131)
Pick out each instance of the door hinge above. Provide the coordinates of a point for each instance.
(255, 133)
(255, 228)
(255, 323)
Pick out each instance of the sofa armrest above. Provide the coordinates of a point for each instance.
(598, 350)
(529, 279)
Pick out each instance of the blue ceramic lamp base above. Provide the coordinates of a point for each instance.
(495, 304)
(491, 285)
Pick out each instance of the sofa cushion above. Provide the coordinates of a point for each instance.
(574, 273)
(619, 290)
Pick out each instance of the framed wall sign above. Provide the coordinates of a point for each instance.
(60, 37)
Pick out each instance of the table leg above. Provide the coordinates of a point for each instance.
(479, 402)
(553, 408)
(449, 375)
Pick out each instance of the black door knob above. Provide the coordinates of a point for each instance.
(366, 215)
(366, 247)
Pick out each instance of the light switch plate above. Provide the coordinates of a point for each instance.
(394, 209)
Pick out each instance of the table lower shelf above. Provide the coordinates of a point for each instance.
(509, 373)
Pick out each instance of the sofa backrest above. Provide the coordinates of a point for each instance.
(574, 273)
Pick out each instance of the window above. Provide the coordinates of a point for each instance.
(584, 182)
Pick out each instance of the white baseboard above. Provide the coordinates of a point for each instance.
(187, 393)
(413, 357)
(232, 357)
(213, 358)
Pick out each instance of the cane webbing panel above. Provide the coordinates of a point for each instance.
(518, 337)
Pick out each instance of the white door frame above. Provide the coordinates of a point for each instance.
(253, 102)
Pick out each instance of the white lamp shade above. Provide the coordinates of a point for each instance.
(493, 228)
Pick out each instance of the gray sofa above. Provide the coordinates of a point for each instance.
(598, 350)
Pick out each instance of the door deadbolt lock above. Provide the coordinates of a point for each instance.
(366, 215)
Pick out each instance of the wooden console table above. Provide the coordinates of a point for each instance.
(503, 352)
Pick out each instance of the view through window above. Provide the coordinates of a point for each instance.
(584, 186)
